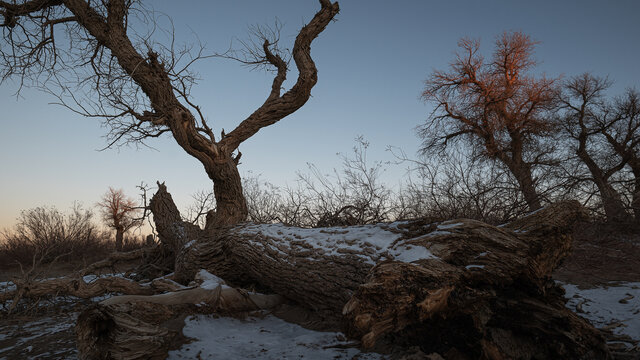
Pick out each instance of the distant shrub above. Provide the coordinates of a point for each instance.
(45, 234)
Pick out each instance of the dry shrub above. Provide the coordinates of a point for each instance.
(45, 234)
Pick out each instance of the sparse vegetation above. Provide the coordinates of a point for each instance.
(45, 233)
(385, 262)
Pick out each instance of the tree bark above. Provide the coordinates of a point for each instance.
(119, 238)
(611, 200)
(147, 327)
(231, 205)
(635, 202)
(521, 171)
(459, 287)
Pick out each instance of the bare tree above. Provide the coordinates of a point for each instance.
(603, 137)
(119, 212)
(622, 131)
(352, 195)
(496, 107)
(140, 88)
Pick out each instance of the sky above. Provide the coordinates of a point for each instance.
(371, 63)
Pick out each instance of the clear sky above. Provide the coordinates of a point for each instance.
(371, 62)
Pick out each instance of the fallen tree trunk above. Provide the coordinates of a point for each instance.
(116, 257)
(462, 288)
(147, 327)
(77, 287)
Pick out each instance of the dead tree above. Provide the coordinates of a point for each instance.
(142, 87)
(461, 288)
(496, 107)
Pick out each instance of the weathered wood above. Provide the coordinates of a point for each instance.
(488, 294)
(128, 331)
(147, 327)
(75, 287)
(335, 261)
(173, 232)
(113, 259)
(461, 288)
(229, 299)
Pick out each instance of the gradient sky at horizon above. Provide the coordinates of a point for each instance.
(371, 62)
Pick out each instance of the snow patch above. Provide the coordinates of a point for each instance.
(409, 253)
(7, 286)
(602, 306)
(330, 241)
(210, 281)
(448, 226)
(473, 266)
(371, 243)
(263, 338)
(91, 278)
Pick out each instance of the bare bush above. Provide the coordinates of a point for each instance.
(352, 195)
(454, 186)
(196, 212)
(45, 233)
(266, 202)
(458, 186)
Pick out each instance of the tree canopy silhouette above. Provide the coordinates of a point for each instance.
(495, 106)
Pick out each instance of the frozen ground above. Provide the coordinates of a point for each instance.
(615, 308)
(49, 337)
(261, 338)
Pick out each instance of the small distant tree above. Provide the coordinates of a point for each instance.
(119, 213)
(495, 107)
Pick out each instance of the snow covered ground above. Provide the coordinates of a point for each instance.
(49, 337)
(615, 307)
(261, 338)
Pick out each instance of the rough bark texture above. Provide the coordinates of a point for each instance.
(119, 238)
(173, 232)
(461, 288)
(521, 170)
(75, 287)
(478, 291)
(147, 327)
(487, 295)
